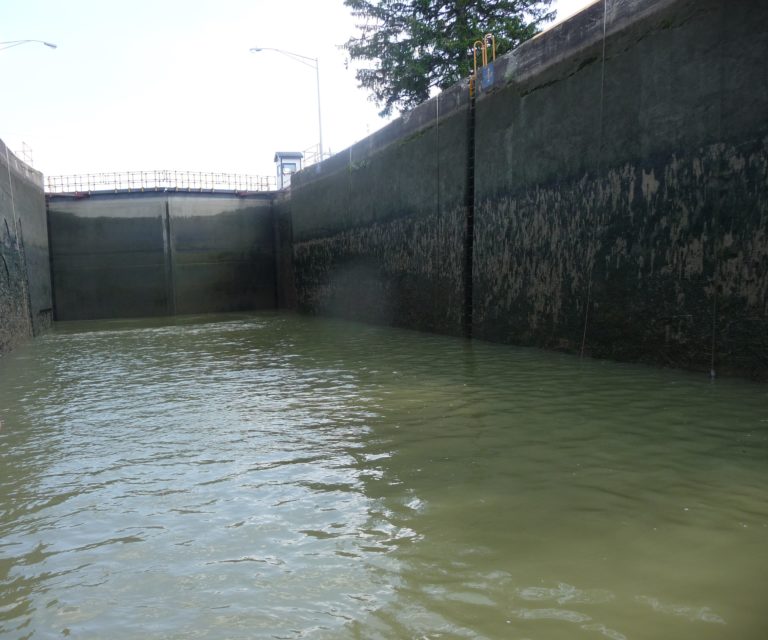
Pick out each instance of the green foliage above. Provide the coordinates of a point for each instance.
(415, 45)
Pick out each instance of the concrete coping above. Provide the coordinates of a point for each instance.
(580, 33)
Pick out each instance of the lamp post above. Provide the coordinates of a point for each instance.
(15, 43)
(312, 63)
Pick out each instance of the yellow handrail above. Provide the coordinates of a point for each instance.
(482, 45)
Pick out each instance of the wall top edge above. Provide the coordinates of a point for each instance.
(582, 31)
(160, 193)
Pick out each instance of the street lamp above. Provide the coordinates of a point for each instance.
(15, 43)
(310, 62)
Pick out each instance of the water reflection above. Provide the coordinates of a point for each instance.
(274, 476)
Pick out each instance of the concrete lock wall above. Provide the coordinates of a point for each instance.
(379, 230)
(622, 187)
(609, 196)
(25, 286)
(150, 254)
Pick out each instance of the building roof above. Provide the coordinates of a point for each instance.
(288, 154)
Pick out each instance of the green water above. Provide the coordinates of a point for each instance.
(271, 476)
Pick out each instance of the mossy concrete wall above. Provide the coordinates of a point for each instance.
(25, 285)
(379, 230)
(619, 206)
(149, 254)
(622, 187)
(283, 233)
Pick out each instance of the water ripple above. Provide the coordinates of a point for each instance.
(274, 476)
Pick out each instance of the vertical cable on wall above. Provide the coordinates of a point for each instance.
(712, 372)
(718, 231)
(599, 169)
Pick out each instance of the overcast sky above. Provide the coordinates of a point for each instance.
(171, 84)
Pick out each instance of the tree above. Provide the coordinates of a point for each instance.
(416, 45)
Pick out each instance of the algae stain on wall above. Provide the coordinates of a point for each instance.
(654, 252)
(25, 290)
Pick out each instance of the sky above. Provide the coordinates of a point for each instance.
(171, 84)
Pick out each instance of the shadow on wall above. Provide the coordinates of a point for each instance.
(357, 291)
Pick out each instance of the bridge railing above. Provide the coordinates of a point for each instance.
(158, 180)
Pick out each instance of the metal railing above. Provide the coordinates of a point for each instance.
(159, 180)
(312, 155)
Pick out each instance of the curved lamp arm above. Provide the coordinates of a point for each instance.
(310, 62)
(15, 43)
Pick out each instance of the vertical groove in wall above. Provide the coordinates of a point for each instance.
(275, 256)
(170, 287)
(50, 260)
(469, 231)
(439, 220)
(277, 244)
